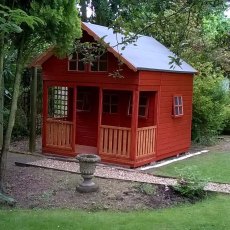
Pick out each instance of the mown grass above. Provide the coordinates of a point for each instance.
(213, 166)
(212, 213)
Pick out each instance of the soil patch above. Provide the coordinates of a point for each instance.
(44, 188)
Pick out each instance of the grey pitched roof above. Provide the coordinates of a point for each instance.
(147, 54)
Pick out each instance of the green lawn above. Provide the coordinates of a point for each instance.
(210, 165)
(212, 213)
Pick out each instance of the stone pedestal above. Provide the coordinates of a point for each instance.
(87, 164)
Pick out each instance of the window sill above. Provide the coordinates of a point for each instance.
(177, 116)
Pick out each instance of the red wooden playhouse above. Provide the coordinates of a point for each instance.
(143, 117)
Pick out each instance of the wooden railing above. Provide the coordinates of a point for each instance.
(115, 141)
(146, 141)
(59, 134)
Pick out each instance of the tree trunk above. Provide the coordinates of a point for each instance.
(11, 120)
(83, 5)
(1, 87)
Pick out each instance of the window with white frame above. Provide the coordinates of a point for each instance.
(83, 102)
(178, 106)
(76, 62)
(110, 103)
(143, 105)
(100, 64)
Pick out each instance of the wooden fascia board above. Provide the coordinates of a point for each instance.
(110, 49)
(38, 61)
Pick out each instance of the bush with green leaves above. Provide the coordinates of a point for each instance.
(21, 124)
(209, 104)
(227, 121)
(147, 189)
(190, 183)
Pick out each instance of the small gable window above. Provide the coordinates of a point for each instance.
(178, 106)
(110, 103)
(76, 63)
(100, 64)
(143, 105)
(83, 103)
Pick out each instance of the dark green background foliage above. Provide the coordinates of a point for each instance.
(210, 101)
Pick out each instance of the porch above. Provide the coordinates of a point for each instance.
(114, 142)
(68, 131)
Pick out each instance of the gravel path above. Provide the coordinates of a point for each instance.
(121, 174)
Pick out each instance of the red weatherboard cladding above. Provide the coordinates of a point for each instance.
(173, 134)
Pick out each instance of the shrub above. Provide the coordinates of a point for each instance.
(209, 103)
(147, 189)
(20, 126)
(227, 121)
(190, 184)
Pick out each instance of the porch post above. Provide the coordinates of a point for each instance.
(74, 101)
(33, 110)
(44, 113)
(134, 125)
(99, 120)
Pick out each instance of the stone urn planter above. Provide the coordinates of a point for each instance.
(87, 163)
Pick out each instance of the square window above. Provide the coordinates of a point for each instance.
(143, 105)
(72, 65)
(100, 64)
(75, 62)
(83, 103)
(94, 66)
(81, 66)
(110, 103)
(103, 66)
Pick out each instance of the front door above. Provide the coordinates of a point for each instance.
(87, 116)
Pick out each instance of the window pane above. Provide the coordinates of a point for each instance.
(113, 108)
(81, 66)
(72, 65)
(80, 96)
(94, 66)
(80, 105)
(80, 56)
(104, 57)
(180, 110)
(176, 111)
(176, 100)
(179, 100)
(106, 108)
(102, 66)
(143, 100)
(106, 99)
(142, 111)
(114, 99)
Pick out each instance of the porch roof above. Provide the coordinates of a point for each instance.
(146, 53)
